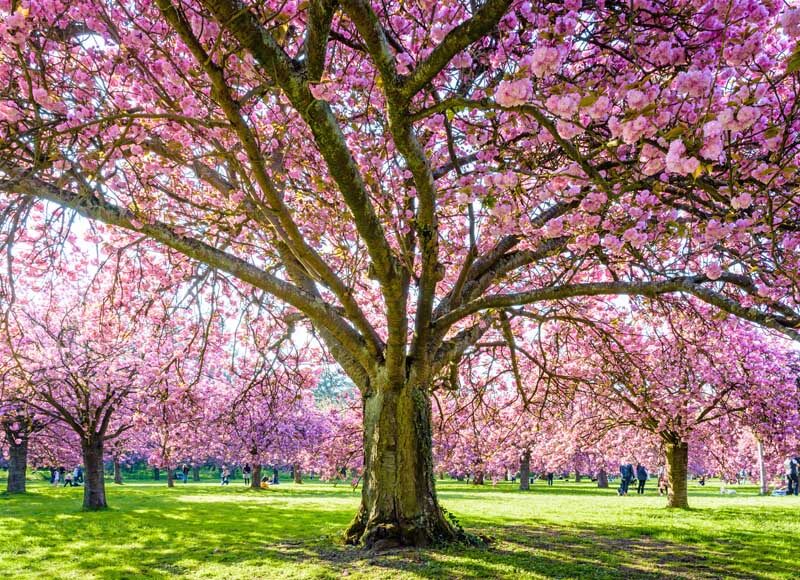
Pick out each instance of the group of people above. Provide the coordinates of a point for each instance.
(69, 478)
(628, 474)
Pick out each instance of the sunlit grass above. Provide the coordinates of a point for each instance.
(202, 530)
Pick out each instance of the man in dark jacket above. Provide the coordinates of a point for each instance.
(792, 466)
(626, 476)
(641, 476)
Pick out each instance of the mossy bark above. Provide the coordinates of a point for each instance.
(677, 471)
(94, 487)
(399, 506)
(525, 471)
(17, 464)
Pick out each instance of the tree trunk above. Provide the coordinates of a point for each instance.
(602, 479)
(398, 498)
(17, 464)
(94, 487)
(677, 470)
(298, 477)
(477, 479)
(762, 470)
(117, 472)
(255, 483)
(577, 475)
(156, 473)
(196, 473)
(170, 477)
(525, 471)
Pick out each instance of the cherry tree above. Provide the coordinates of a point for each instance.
(400, 174)
(691, 384)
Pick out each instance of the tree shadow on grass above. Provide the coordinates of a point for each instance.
(209, 531)
(526, 551)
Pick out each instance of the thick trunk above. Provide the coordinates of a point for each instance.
(477, 479)
(677, 470)
(196, 473)
(255, 483)
(398, 498)
(602, 479)
(298, 477)
(170, 477)
(156, 473)
(94, 487)
(577, 475)
(525, 471)
(117, 472)
(17, 465)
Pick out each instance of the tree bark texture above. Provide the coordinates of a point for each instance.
(677, 472)
(17, 465)
(398, 498)
(602, 479)
(255, 482)
(94, 487)
(525, 471)
(117, 472)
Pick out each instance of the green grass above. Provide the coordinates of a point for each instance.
(200, 530)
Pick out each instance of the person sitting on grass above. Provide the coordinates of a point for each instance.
(265, 482)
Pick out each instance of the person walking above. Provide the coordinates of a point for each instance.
(641, 477)
(79, 477)
(56, 477)
(68, 479)
(550, 477)
(246, 471)
(185, 471)
(791, 467)
(626, 476)
(225, 476)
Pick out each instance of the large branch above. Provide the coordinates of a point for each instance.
(282, 221)
(458, 39)
(320, 313)
(245, 28)
(688, 284)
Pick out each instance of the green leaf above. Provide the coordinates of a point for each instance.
(588, 100)
(793, 64)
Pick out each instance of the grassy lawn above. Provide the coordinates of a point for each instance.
(200, 530)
